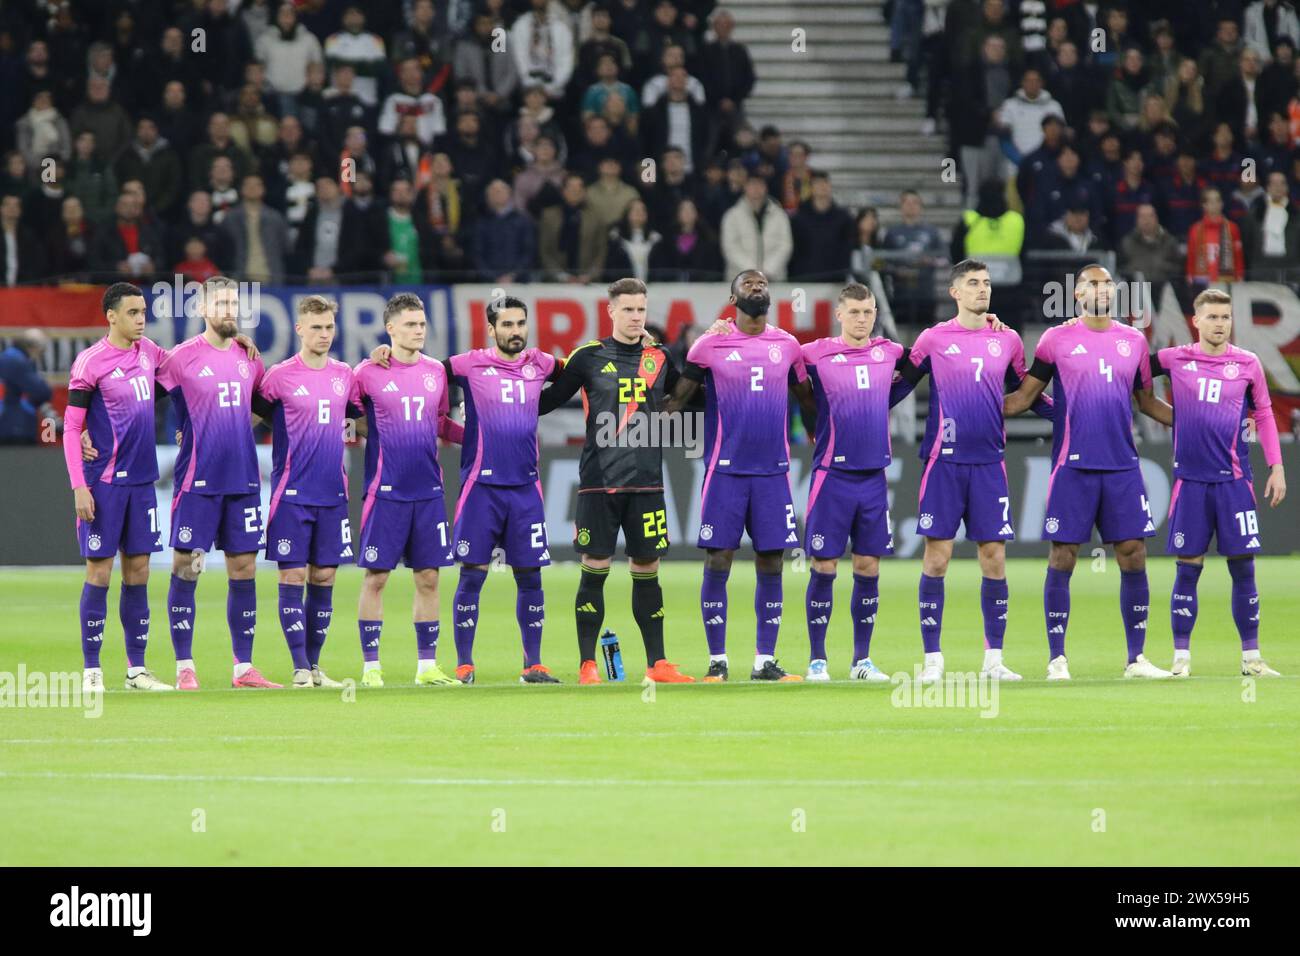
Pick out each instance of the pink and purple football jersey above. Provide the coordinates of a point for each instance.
(970, 372)
(213, 390)
(747, 380)
(1212, 397)
(307, 420)
(851, 385)
(1096, 373)
(405, 405)
(120, 413)
(501, 407)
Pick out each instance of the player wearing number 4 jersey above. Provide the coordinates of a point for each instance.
(1097, 364)
(1215, 386)
(403, 393)
(305, 400)
(971, 364)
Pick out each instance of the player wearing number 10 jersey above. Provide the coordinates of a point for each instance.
(1215, 386)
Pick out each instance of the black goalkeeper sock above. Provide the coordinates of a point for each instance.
(589, 609)
(648, 609)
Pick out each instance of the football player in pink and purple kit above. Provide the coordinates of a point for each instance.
(403, 393)
(748, 376)
(1215, 387)
(306, 401)
(111, 398)
(500, 503)
(1098, 364)
(971, 367)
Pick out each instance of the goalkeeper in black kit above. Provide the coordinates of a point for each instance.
(621, 482)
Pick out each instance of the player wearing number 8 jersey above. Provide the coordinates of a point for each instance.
(1098, 364)
(1215, 386)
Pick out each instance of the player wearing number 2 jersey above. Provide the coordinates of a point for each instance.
(1097, 364)
(1215, 387)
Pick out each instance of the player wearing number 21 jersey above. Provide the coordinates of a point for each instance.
(1215, 387)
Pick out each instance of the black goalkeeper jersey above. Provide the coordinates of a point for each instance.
(623, 386)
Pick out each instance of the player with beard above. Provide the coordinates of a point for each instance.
(1097, 364)
(747, 377)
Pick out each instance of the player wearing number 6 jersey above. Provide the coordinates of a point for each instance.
(305, 400)
(1097, 364)
(1215, 386)
(971, 365)
(403, 394)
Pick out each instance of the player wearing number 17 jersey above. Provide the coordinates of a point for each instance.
(1098, 364)
(1215, 386)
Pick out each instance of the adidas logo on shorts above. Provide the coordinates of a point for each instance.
(1006, 529)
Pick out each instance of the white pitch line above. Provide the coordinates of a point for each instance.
(453, 782)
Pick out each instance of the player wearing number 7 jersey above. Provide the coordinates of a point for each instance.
(1097, 364)
(1215, 385)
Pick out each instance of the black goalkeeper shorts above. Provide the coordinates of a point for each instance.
(640, 514)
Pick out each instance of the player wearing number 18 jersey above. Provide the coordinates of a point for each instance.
(1215, 386)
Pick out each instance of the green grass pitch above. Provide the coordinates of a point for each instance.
(1100, 771)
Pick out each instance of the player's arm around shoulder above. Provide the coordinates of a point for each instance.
(1036, 379)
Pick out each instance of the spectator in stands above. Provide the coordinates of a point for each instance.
(1066, 186)
(258, 235)
(1222, 168)
(671, 185)
(1220, 62)
(494, 74)
(286, 49)
(1162, 65)
(822, 232)
(340, 109)
(24, 254)
(1274, 250)
(221, 188)
(769, 159)
(916, 248)
(672, 57)
(1073, 85)
(601, 41)
(1132, 190)
(607, 82)
(505, 239)
(608, 197)
(1273, 154)
(756, 233)
(991, 230)
(1266, 21)
(363, 50)
(177, 123)
(218, 143)
(409, 250)
(356, 159)
(690, 251)
(198, 221)
(427, 42)
(1278, 82)
(1246, 200)
(796, 184)
(1180, 197)
(170, 63)
(476, 160)
(1038, 167)
(26, 393)
(1163, 158)
(318, 247)
(1072, 232)
(70, 243)
(251, 127)
(412, 98)
(992, 22)
(102, 116)
(1022, 114)
(571, 239)
(977, 91)
(43, 132)
(445, 206)
(727, 71)
(1149, 250)
(196, 266)
(150, 159)
(91, 179)
(298, 192)
(128, 246)
(661, 31)
(1214, 250)
(43, 204)
(544, 171)
(722, 188)
(631, 243)
(1125, 92)
(543, 48)
(869, 238)
(1239, 100)
(1189, 105)
(229, 46)
(1116, 41)
(404, 157)
(677, 120)
(290, 141)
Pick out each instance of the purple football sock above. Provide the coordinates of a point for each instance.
(426, 639)
(1182, 603)
(1245, 602)
(1134, 603)
(530, 612)
(319, 610)
(993, 602)
(370, 633)
(133, 611)
(1056, 610)
(293, 623)
(767, 609)
(930, 602)
(713, 608)
(94, 611)
(464, 615)
(241, 618)
(866, 601)
(821, 589)
(180, 616)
